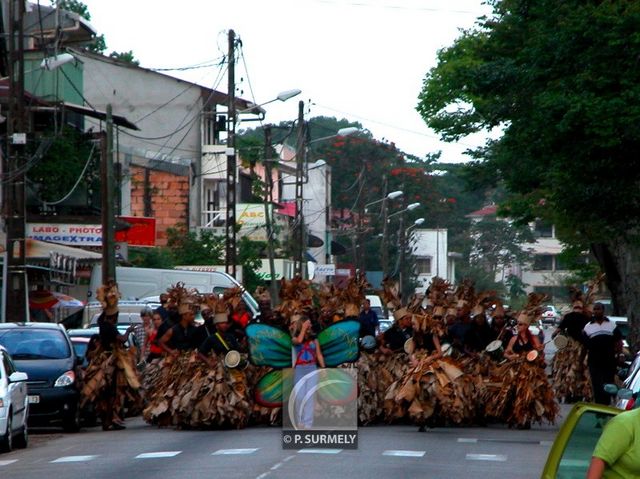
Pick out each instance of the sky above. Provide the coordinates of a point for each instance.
(363, 60)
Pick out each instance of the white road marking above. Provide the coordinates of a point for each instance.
(74, 459)
(400, 453)
(225, 452)
(263, 475)
(288, 458)
(276, 466)
(319, 451)
(7, 462)
(156, 455)
(470, 440)
(487, 457)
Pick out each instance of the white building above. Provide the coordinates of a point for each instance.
(546, 273)
(430, 248)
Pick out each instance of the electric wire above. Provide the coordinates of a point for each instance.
(84, 170)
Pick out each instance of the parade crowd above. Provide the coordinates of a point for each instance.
(453, 356)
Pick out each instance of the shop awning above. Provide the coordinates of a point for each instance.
(41, 250)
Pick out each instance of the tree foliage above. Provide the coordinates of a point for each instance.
(561, 81)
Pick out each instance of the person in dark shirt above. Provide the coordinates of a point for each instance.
(206, 329)
(163, 309)
(479, 334)
(172, 319)
(500, 328)
(458, 330)
(394, 338)
(220, 342)
(180, 336)
(573, 323)
(108, 331)
(603, 341)
(368, 320)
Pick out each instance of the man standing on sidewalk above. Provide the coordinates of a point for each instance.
(603, 341)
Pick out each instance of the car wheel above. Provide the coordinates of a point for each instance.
(72, 423)
(22, 441)
(6, 442)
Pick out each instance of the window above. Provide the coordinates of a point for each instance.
(423, 266)
(561, 265)
(543, 262)
(543, 230)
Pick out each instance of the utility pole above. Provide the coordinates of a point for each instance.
(230, 223)
(268, 202)
(384, 247)
(14, 206)
(299, 221)
(107, 197)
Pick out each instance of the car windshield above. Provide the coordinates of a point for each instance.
(35, 344)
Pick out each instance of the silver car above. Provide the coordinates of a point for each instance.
(14, 405)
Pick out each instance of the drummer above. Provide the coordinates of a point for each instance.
(573, 323)
(393, 339)
(524, 341)
(220, 342)
(499, 327)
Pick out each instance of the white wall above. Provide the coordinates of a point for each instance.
(432, 243)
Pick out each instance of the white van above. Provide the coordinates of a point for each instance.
(136, 284)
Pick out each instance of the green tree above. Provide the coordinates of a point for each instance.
(191, 248)
(499, 244)
(561, 81)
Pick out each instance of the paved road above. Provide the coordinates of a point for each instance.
(143, 451)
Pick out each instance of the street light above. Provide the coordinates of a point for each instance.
(391, 196)
(301, 164)
(230, 224)
(411, 207)
(403, 247)
(282, 96)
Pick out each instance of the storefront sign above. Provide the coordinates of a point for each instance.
(70, 234)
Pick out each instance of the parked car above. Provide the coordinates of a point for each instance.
(384, 324)
(632, 383)
(550, 315)
(44, 351)
(14, 404)
(571, 451)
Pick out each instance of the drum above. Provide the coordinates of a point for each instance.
(409, 346)
(446, 349)
(233, 360)
(532, 356)
(560, 341)
(495, 350)
(368, 343)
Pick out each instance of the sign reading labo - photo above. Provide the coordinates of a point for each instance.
(320, 408)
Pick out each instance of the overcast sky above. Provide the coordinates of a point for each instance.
(363, 60)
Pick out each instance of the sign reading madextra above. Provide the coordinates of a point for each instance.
(74, 235)
(141, 232)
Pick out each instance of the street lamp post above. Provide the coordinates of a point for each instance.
(301, 164)
(384, 253)
(403, 247)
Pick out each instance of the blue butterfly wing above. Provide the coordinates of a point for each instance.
(339, 343)
(269, 346)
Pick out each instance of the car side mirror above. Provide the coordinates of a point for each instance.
(611, 389)
(18, 377)
(624, 393)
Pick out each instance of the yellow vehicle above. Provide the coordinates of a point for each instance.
(571, 452)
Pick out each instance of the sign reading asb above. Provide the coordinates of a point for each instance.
(325, 269)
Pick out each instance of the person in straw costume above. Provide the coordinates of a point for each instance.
(570, 374)
(190, 392)
(524, 395)
(111, 379)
